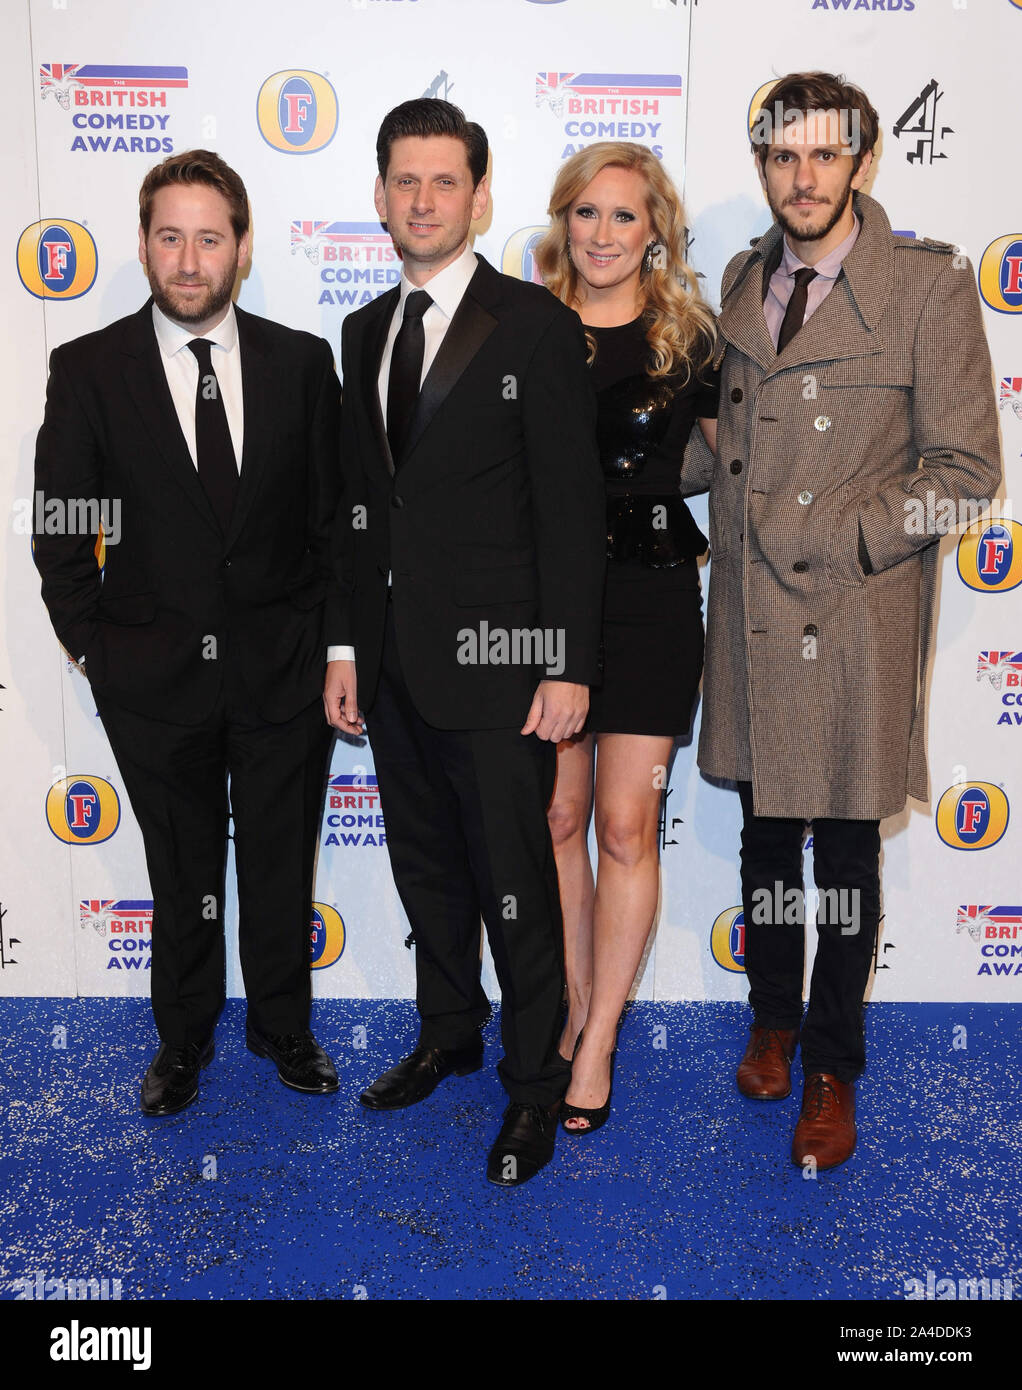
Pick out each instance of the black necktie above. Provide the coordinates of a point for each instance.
(214, 451)
(796, 310)
(406, 372)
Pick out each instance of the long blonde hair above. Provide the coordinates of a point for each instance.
(680, 327)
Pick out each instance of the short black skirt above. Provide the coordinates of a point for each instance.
(652, 650)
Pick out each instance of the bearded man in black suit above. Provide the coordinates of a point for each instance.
(214, 434)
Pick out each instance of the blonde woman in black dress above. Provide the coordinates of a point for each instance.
(615, 254)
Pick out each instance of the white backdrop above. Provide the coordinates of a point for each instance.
(100, 91)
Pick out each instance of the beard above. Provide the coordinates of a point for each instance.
(449, 241)
(197, 308)
(803, 231)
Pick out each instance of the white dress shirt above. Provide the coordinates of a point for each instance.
(446, 289)
(183, 373)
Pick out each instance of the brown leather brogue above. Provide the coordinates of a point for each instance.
(826, 1127)
(764, 1073)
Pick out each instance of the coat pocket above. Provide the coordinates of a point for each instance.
(125, 610)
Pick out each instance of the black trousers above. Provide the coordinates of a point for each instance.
(465, 813)
(176, 780)
(846, 864)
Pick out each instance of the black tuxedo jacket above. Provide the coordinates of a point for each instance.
(492, 520)
(178, 599)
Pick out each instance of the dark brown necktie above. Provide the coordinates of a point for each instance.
(406, 372)
(214, 450)
(796, 310)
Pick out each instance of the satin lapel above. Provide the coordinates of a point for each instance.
(469, 329)
(146, 380)
(258, 397)
(372, 355)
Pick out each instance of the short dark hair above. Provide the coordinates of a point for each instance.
(821, 91)
(431, 116)
(196, 166)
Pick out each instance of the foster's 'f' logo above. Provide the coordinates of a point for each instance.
(57, 260)
(326, 936)
(727, 940)
(1000, 274)
(297, 111)
(972, 815)
(990, 556)
(82, 810)
(518, 257)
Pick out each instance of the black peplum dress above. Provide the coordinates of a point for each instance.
(652, 616)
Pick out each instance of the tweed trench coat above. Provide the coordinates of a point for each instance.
(815, 675)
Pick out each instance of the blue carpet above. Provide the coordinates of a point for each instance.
(687, 1193)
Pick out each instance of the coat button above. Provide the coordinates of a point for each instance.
(822, 422)
(227, 563)
(810, 630)
(736, 466)
(805, 498)
(397, 501)
(800, 566)
(736, 394)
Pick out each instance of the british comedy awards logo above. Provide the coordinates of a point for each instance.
(57, 259)
(1009, 395)
(296, 111)
(114, 109)
(352, 816)
(594, 106)
(355, 261)
(82, 810)
(1003, 671)
(996, 932)
(125, 926)
(990, 556)
(972, 815)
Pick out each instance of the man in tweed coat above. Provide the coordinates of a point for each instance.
(856, 383)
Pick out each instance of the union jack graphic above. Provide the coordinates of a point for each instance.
(976, 918)
(995, 664)
(97, 912)
(552, 87)
(1010, 393)
(364, 782)
(59, 78)
(357, 237)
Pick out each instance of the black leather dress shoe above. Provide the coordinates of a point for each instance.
(172, 1079)
(419, 1074)
(301, 1062)
(525, 1143)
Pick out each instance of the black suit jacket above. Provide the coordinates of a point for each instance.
(494, 515)
(174, 581)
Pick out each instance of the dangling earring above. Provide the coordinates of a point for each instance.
(647, 260)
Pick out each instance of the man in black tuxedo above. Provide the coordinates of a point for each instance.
(471, 536)
(212, 435)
